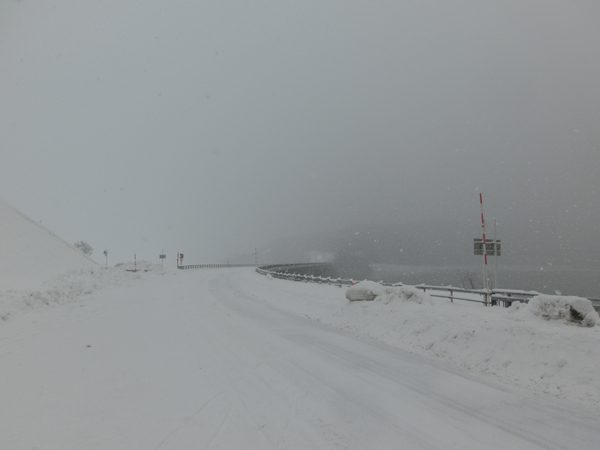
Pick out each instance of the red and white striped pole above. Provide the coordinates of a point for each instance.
(485, 271)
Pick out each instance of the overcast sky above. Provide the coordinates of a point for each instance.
(211, 127)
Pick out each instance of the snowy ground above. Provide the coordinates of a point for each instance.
(508, 344)
(215, 359)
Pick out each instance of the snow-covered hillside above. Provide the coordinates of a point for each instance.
(31, 254)
(38, 268)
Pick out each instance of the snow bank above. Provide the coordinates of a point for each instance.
(370, 291)
(141, 266)
(513, 345)
(37, 268)
(365, 290)
(31, 254)
(568, 309)
(70, 286)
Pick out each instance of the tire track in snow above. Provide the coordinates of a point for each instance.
(233, 385)
(185, 421)
(217, 432)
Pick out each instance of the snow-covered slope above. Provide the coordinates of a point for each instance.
(31, 254)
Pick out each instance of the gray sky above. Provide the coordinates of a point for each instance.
(211, 127)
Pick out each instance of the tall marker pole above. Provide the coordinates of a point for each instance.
(485, 271)
(495, 257)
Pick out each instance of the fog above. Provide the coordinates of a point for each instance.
(213, 128)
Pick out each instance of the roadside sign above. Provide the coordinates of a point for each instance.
(492, 247)
(162, 256)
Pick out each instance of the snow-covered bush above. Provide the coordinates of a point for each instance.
(84, 247)
(365, 290)
(370, 290)
(570, 309)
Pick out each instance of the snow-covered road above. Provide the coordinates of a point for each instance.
(189, 361)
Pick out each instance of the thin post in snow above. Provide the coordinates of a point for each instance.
(485, 270)
(495, 257)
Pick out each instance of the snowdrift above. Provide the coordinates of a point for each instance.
(70, 286)
(370, 290)
(365, 290)
(31, 254)
(567, 309)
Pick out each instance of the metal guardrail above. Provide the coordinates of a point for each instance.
(267, 270)
(494, 297)
(504, 297)
(214, 266)
(491, 298)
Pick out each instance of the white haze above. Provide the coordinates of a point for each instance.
(213, 127)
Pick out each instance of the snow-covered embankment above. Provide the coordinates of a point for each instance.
(520, 345)
(37, 268)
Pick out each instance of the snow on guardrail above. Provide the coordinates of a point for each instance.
(502, 297)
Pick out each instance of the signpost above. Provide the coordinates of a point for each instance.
(496, 254)
(486, 285)
(493, 247)
(484, 247)
(162, 257)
